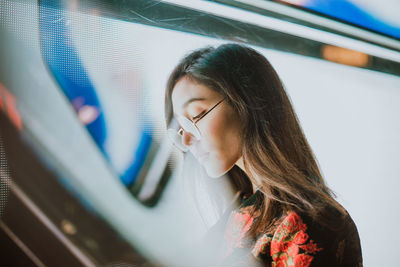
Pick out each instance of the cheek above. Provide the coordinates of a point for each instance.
(216, 130)
(215, 133)
(224, 141)
(223, 136)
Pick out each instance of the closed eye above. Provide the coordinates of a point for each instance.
(198, 116)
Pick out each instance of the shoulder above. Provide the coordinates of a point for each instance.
(297, 240)
(289, 245)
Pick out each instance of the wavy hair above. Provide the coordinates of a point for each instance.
(275, 151)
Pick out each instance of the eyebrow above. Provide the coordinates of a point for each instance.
(192, 100)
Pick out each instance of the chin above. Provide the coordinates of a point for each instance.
(215, 171)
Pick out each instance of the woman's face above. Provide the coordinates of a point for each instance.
(218, 149)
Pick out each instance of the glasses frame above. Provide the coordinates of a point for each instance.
(197, 134)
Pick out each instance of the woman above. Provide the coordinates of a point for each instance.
(233, 114)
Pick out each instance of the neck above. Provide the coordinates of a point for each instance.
(240, 164)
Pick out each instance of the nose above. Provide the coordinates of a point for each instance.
(187, 138)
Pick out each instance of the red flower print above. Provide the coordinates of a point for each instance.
(261, 245)
(289, 237)
(293, 249)
(302, 260)
(239, 225)
(311, 247)
(281, 261)
(277, 247)
(300, 237)
(290, 225)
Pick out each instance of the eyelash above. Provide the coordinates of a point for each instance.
(198, 116)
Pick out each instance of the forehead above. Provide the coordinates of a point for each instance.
(186, 89)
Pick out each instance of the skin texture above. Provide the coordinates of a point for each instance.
(219, 149)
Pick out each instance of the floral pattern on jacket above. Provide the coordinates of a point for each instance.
(295, 241)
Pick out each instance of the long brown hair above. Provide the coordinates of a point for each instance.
(274, 148)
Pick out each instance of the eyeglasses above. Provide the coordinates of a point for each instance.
(182, 124)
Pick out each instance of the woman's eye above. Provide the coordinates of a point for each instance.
(198, 116)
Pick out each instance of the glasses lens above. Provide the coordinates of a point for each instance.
(188, 126)
(175, 134)
(176, 139)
